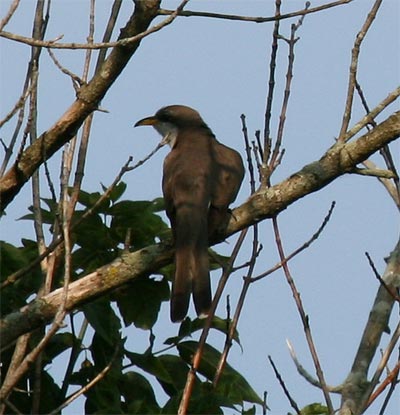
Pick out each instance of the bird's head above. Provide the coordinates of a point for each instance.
(169, 120)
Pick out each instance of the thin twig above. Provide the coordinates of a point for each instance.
(248, 153)
(191, 377)
(89, 385)
(383, 385)
(367, 119)
(247, 280)
(292, 402)
(303, 372)
(380, 279)
(301, 248)
(16, 275)
(271, 87)
(353, 69)
(190, 13)
(369, 397)
(13, 6)
(76, 80)
(392, 188)
(235, 320)
(304, 317)
(276, 153)
(53, 44)
(17, 358)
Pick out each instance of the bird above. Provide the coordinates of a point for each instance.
(201, 178)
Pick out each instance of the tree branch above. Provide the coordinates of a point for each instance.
(303, 12)
(87, 101)
(338, 160)
(357, 388)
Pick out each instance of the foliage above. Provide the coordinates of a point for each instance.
(128, 386)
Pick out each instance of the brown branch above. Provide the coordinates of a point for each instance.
(304, 317)
(271, 87)
(300, 249)
(338, 160)
(276, 153)
(13, 6)
(292, 402)
(353, 68)
(189, 13)
(356, 388)
(122, 42)
(88, 386)
(369, 397)
(87, 101)
(57, 242)
(392, 376)
(191, 377)
(380, 279)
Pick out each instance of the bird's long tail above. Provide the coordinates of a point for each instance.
(191, 262)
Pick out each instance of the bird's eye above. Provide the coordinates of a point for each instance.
(164, 115)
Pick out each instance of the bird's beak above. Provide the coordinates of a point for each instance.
(147, 121)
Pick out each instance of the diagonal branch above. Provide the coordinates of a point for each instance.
(88, 99)
(357, 389)
(338, 160)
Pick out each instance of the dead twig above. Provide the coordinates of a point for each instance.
(292, 402)
(189, 13)
(53, 44)
(353, 69)
(304, 317)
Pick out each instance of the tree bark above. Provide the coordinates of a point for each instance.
(87, 101)
(341, 158)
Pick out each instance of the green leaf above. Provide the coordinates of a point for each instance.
(118, 191)
(315, 409)
(11, 259)
(138, 394)
(250, 411)
(188, 327)
(57, 344)
(232, 384)
(139, 218)
(102, 318)
(139, 302)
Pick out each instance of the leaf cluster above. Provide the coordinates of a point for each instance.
(130, 381)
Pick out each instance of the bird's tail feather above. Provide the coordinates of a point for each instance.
(191, 263)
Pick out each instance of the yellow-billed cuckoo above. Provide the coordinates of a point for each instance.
(201, 178)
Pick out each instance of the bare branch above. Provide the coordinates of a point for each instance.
(369, 118)
(87, 101)
(334, 163)
(300, 249)
(368, 396)
(13, 6)
(293, 403)
(128, 41)
(356, 390)
(189, 13)
(353, 68)
(375, 172)
(271, 87)
(88, 386)
(302, 371)
(191, 377)
(276, 153)
(304, 317)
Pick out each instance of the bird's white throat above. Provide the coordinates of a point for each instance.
(168, 131)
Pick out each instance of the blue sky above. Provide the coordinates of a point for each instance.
(221, 68)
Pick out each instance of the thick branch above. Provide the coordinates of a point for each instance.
(338, 160)
(87, 101)
(357, 388)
